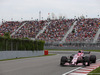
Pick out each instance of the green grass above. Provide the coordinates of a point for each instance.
(95, 72)
(27, 57)
(72, 50)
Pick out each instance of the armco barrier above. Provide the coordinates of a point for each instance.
(17, 54)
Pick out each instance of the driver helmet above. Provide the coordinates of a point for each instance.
(79, 51)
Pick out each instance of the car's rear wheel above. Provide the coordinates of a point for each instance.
(86, 61)
(93, 58)
(63, 60)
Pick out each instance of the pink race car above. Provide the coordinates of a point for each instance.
(83, 58)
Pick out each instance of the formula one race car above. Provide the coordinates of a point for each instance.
(84, 58)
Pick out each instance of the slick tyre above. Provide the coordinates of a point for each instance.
(93, 59)
(86, 61)
(63, 60)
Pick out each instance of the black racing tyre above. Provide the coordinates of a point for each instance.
(93, 58)
(63, 60)
(86, 61)
(71, 57)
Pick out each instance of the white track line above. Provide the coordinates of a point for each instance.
(76, 69)
(72, 71)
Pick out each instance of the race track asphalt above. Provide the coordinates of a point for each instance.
(47, 65)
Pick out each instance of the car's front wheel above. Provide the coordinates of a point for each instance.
(63, 60)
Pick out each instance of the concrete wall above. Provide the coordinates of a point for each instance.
(17, 54)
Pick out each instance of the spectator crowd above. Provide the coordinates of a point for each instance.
(9, 26)
(84, 31)
(30, 29)
(56, 30)
(98, 38)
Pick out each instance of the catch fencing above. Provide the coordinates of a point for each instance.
(70, 46)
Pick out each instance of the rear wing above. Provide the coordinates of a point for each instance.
(86, 52)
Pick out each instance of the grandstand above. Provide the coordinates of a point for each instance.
(30, 29)
(60, 30)
(9, 26)
(98, 38)
(84, 31)
(56, 30)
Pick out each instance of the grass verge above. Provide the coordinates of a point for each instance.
(27, 57)
(95, 72)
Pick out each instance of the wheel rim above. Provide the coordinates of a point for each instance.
(86, 63)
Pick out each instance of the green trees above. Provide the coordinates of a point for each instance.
(7, 35)
(7, 43)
